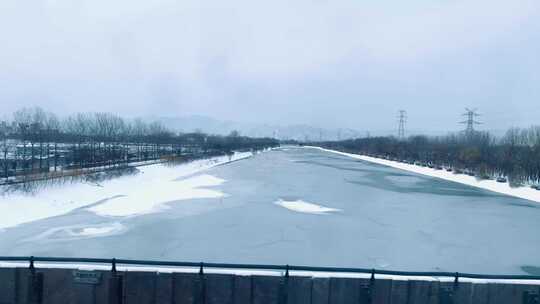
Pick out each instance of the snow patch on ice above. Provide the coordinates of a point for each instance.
(98, 231)
(149, 198)
(19, 208)
(491, 185)
(305, 207)
(74, 232)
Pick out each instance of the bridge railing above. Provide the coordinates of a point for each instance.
(284, 268)
(54, 280)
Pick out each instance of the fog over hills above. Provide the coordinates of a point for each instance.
(223, 127)
(300, 131)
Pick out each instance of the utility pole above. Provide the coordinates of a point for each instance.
(470, 122)
(402, 118)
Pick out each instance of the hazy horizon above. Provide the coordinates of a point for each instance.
(347, 65)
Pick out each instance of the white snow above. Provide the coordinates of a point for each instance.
(140, 193)
(305, 207)
(99, 231)
(150, 196)
(67, 233)
(491, 185)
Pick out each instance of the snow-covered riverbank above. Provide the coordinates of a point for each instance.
(491, 185)
(130, 195)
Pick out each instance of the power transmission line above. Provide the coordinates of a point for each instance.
(470, 121)
(402, 116)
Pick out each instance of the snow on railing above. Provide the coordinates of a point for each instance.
(248, 269)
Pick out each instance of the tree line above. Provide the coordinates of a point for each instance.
(35, 142)
(514, 156)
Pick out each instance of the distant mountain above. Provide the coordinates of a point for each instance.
(300, 132)
(214, 126)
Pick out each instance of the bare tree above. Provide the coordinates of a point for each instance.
(85, 142)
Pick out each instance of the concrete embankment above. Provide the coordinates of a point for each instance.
(56, 286)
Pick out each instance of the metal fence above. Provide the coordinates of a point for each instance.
(76, 280)
(285, 268)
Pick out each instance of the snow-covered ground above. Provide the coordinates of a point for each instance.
(491, 185)
(305, 207)
(130, 195)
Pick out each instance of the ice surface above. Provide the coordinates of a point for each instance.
(391, 219)
(491, 185)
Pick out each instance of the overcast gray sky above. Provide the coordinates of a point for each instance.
(350, 63)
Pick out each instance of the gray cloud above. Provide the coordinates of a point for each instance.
(347, 63)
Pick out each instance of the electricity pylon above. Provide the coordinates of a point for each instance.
(470, 121)
(402, 118)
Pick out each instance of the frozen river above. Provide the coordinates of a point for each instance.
(307, 207)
